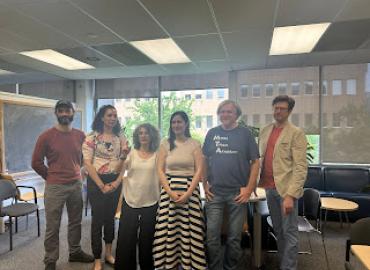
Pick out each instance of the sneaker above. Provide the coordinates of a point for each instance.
(81, 257)
(50, 266)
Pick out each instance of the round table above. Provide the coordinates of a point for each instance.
(337, 205)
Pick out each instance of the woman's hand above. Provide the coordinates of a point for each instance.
(125, 149)
(174, 195)
(184, 197)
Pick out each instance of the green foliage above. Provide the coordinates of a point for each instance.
(146, 111)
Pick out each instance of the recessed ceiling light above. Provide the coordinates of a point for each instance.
(5, 72)
(57, 59)
(161, 51)
(296, 39)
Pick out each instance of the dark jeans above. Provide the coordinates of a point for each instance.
(137, 226)
(103, 209)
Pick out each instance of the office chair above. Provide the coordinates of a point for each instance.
(9, 190)
(359, 234)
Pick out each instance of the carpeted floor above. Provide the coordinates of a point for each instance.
(28, 249)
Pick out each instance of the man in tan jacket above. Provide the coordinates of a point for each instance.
(284, 168)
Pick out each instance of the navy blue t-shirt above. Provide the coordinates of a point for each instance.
(229, 153)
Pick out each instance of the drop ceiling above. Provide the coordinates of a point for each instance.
(217, 35)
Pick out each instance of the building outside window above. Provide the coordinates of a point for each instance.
(198, 122)
(324, 89)
(337, 87)
(209, 94)
(350, 121)
(209, 121)
(244, 90)
(351, 87)
(244, 118)
(256, 90)
(269, 88)
(268, 118)
(308, 119)
(295, 88)
(324, 120)
(256, 120)
(295, 119)
(336, 120)
(198, 96)
(188, 96)
(308, 88)
(282, 88)
(220, 93)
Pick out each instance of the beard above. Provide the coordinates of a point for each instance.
(65, 120)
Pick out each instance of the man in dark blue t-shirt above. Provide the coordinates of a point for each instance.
(232, 161)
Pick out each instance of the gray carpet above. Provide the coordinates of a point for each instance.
(28, 249)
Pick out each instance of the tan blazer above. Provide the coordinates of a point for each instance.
(289, 161)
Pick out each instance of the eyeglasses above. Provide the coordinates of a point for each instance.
(281, 109)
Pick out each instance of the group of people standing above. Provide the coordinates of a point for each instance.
(162, 217)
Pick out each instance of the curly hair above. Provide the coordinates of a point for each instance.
(284, 98)
(171, 134)
(98, 124)
(153, 137)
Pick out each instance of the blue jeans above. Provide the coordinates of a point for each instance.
(285, 228)
(214, 213)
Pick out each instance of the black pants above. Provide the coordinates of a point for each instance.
(103, 210)
(137, 226)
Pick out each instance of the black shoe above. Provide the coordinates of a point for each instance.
(81, 257)
(50, 266)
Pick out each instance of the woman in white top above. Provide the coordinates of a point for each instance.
(179, 231)
(139, 207)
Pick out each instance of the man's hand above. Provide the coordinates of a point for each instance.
(243, 196)
(288, 204)
(208, 193)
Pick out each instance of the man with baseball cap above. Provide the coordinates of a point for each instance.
(61, 146)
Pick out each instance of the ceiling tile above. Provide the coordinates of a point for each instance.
(182, 18)
(213, 66)
(126, 18)
(355, 10)
(276, 61)
(358, 56)
(344, 36)
(125, 54)
(293, 12)
(13, 67)
(202, 48)
(243, 14)
(324, 58)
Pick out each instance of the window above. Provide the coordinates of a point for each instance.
(198, 96)
(209, 94)
(221, 93)
(282, 88)
(308, 119)
(244, 118)
(295, 119)
(198, 122)
(351, 87)
(295, 88)
(256, 120)
(256, 90)
(308, 88)
(324, 89)
(188, 96)
(350, 121)
(337, 87)
(336, 120)
(268, 118)
(244, 90)
(269, 90)
(209, 121)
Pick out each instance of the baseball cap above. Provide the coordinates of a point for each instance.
(64, 103)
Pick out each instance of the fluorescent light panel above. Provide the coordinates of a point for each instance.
(5, 72)
(296, 39)
(57, 59)
(161, 51)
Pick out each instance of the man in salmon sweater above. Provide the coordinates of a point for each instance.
(61, 148)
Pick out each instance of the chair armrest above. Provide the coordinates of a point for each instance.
(6, 176)
(29, 187)
(348, 246)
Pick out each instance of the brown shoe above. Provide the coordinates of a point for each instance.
(81, 257)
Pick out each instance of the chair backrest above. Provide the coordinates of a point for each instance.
(311, 203)
(8, 189)
(360, 232)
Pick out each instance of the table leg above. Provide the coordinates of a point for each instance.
(326, 215)
(257, 245)
(340, 219)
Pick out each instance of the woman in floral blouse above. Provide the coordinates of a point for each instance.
(104, 151)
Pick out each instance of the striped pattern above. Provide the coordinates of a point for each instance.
(179, 231)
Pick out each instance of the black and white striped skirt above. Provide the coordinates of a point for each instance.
(179, 232)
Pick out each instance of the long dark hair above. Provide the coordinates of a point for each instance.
(98, 124)
(153, 135)
(171, 134)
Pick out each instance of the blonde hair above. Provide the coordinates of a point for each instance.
(228, 101)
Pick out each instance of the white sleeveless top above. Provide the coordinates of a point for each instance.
(142, 187)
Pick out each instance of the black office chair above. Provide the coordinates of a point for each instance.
(9, 190)
(359, 234)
